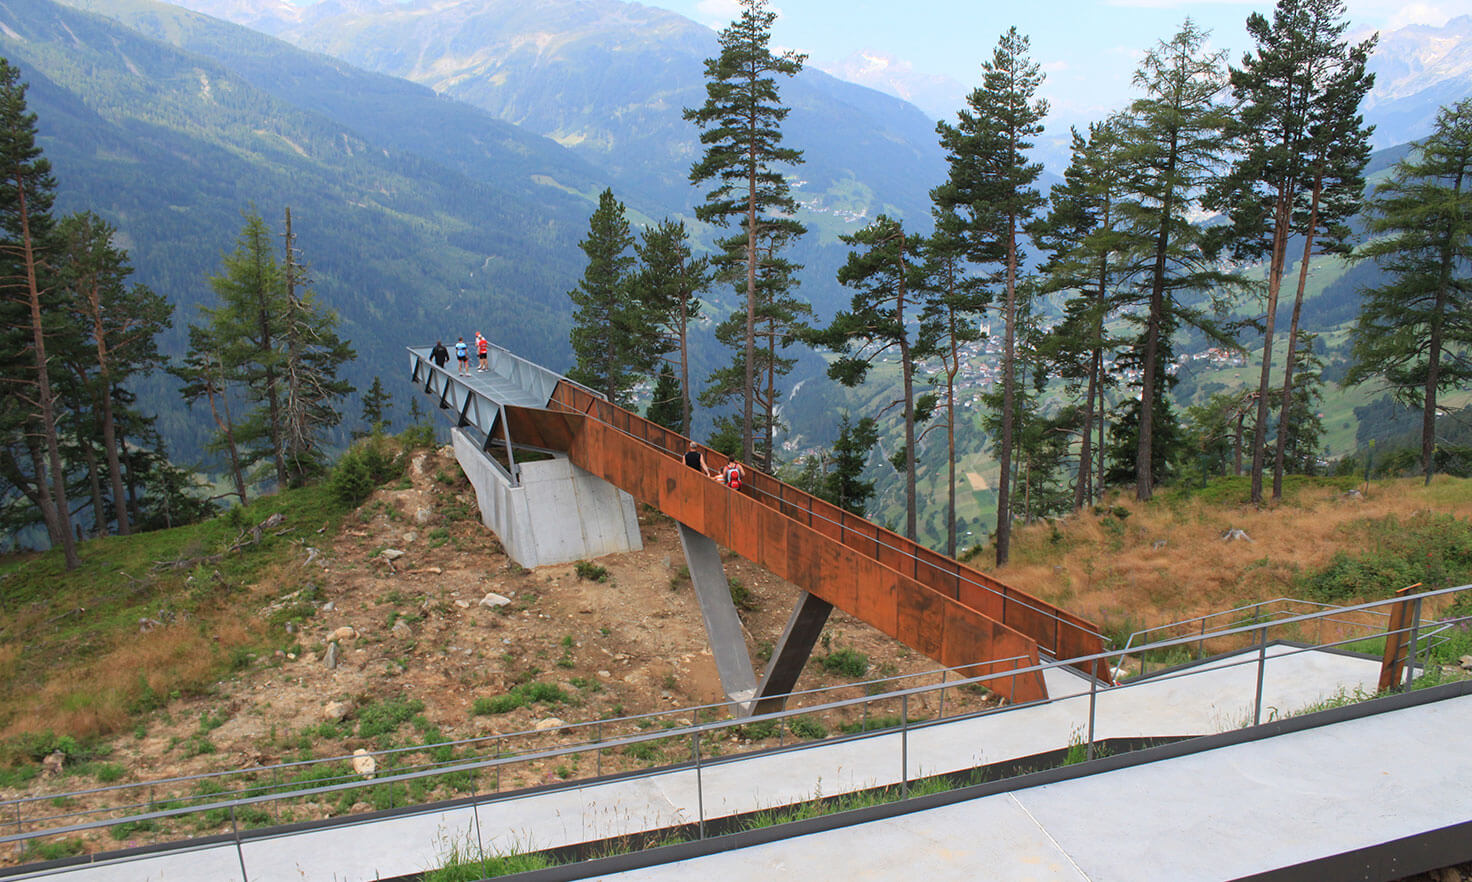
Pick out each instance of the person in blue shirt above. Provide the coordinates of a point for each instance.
(462, 354)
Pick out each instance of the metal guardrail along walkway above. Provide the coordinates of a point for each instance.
(952, 613)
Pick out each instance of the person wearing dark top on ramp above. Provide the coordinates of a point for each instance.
(439, 354)
(695, 459)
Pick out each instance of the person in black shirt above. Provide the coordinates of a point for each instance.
(696, 460)
(439, 354)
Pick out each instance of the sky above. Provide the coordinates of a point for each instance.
(1088, 49)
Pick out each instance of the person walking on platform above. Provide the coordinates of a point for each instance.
(695, 459)
(482, 348)
(733, 475)
(439, 354)
(462, 354)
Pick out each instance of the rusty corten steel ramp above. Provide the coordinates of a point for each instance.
(938, 606)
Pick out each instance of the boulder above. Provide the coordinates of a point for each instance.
(1465, 662)
(391, 553)
(330, 658)
(335, 711)
(53, 763)
(364, 764)
(346, 632)
(422, 516)
(401, 629)
(494, 600)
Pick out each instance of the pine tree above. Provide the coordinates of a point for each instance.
(311, 353)
(1173, 151)
(1300, 139)
(880, 324)
(203, 375)
(953, 304)
(247, 328)
(668, 286)
(741, 128)
(28, 314)
(667, 405)
(610, 339)
(843, 485)
(1081, 235)
(991, 188)
(1415, 331)
(376, 403)
(122, 324)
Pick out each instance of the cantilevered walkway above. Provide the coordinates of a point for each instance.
(944, 609)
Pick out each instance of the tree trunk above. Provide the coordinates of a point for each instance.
(1009, 332)
(1280, 448)
(1275, 282)
(62, 512)
(94, 484)
(749, 391)
(1144, 448)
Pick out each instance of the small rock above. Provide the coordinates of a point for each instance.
(401, 629)
(549, 724)
(291, 656)
(463, 604)
(1466, 662)
(421, 516)
(329, 606)
(291, 627)
(335, 711)
(410, 537)
(493, 600)
(54, 763)
(364, 764)
(667, 561)
(1236, 535)
(391, 553)
(330, 658)
(604, 675)
(1354, 494)
(346, 632)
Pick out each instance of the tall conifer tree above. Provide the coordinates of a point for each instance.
(28, 315)
(1300, 139)
(1173, 150)
(990, 187)
(610, 338)
(741, 128)
(1415, 331)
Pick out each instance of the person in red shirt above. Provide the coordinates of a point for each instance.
(482, 348)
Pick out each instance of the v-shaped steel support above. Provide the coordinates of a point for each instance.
(728, 641)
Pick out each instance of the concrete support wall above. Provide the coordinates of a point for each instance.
(559, 513)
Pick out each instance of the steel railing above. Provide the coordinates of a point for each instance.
(170, 805)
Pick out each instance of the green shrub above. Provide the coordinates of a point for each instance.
(807, 727)
(383, 717)
(362, 469)
(591, 572)
(846, 662)
(522, 695)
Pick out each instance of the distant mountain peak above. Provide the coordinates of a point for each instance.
(939, 96)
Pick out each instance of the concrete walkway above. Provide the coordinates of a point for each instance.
(1213, 697)
(1220, 814)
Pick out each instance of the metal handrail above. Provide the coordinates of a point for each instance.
(698, 729)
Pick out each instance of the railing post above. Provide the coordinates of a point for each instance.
(239, 852)
(905, 745)
(1262, 660)
(1093, 701)
(699, 780)
(1415, 636)
(942, 713)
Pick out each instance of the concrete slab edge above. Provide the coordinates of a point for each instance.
(1184, 747)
